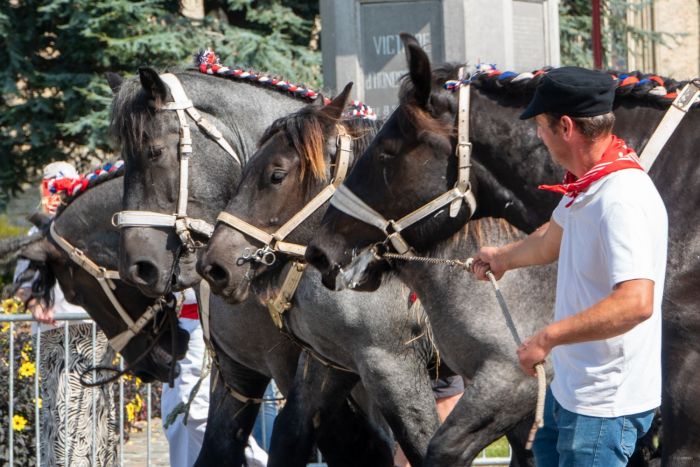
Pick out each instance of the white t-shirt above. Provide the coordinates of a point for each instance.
(615, 231)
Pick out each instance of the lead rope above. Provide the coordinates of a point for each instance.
(539, 368)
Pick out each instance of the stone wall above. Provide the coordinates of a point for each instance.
(682, 59)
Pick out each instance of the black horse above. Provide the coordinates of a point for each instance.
(250, 349)
(85, 222)
(412, 161)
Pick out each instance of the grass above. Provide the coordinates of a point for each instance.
(498, 448)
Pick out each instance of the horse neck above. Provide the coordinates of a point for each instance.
(241, 110)
(516, 161)
(462, 308)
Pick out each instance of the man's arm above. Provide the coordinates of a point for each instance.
(630, 303)
(540, 247)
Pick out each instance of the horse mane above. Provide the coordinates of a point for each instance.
(634, 85)
(305, 131)
(131, 117)
(90, 180)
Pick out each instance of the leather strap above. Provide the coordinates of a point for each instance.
(678, 110)
(104, 277)
(283, 301)
(349, 203)
(275, 239)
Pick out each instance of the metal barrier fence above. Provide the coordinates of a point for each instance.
(66, 318)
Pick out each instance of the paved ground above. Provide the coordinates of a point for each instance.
(135, 451)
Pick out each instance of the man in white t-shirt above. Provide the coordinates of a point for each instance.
(609, 234)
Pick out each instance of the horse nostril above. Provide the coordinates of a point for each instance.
(318, 259)
(216, 275)
(145, 272)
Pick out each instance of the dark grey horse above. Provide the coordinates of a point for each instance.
(509, 163)
(150, 146)
(292, 165)
(85, 223)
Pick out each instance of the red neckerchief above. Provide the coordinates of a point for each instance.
(616, 157)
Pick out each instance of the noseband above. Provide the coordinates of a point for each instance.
(349, 203)
(184, 226)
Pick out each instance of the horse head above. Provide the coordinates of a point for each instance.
(86, 225)
(160, 153)
(291, 166)
(410, 162)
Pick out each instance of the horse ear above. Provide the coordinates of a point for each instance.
(419, 69)
(39, 220)
(337, 105)
(114, 80)
(152, 84)
(41, 251)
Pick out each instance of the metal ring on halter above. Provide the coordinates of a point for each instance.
(268, 258)
(113, 221)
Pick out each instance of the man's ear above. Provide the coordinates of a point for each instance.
(42, 251)
(566, 126)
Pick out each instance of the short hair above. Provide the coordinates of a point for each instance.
(590, 127)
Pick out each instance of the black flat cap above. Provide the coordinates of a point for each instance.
(573, 91)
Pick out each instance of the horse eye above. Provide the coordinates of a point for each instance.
(277, 176)
(155, 153)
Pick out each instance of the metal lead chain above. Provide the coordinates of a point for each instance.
(466, 264)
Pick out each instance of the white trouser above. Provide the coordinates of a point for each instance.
(185, 441)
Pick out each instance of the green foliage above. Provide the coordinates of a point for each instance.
(576, 31)
(8, 229)
(54, 100)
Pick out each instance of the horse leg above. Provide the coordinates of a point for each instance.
(401, 388)
(318, 406)
(230, 420)
(680, 411)
(494, 403)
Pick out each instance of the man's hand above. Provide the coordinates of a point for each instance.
(488, 259)
(40, 312)
(533, 351)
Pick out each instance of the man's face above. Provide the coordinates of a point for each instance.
(551, 136)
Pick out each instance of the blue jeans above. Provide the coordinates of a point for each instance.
(568, 439)
(262, 431)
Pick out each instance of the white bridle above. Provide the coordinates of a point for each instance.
(349, 203)
(184, 225)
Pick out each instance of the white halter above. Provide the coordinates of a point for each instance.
(346, 201)
(183, 225)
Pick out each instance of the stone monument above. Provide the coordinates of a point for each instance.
(360, 39)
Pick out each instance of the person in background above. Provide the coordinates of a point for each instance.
(185, 440)
(61, 392)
